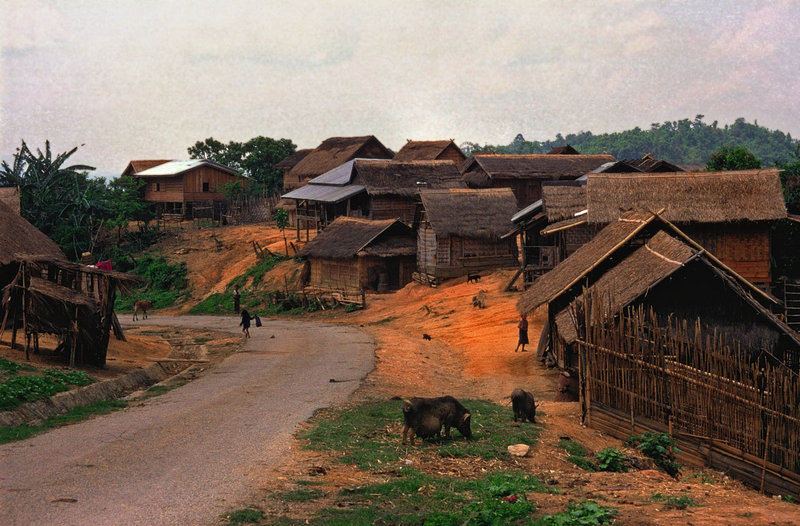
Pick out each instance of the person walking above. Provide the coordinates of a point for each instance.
(237, 296)
(245, 323)
(523, 332)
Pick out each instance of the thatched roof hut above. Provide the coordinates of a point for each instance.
(355, 254)
(9, 196)
(524, 173)
(19, 238)
(406, 178)
(289, 162)
(647, 164)
(473, 213)
(446, 150)
(334, 152)
(563, 150)
(563, 199)
(699, 197)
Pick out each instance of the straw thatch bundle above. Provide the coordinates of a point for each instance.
(18, 237)
(426, 150)
(698, 197)
(289, 162)
(470, 213)
(348, 236)
(406, 179)
(587, 257)
(563, 200)
(480, 169)
(335, 151)
(9, 196)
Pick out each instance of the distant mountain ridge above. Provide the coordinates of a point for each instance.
(687, 143)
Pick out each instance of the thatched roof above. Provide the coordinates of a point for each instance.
(650, 164)
(293, 159)
(333, 152)
(482, 214)
(405, 179)
(9, 196)
(142, 165)
(18, 238)
(479, 169)
(563, 150)
(347, 236)
(689, 197)
(565, 224)
(562, 200)
(582, 261)
(656, 260)
(425, 150)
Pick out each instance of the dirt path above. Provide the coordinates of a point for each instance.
(194, 452)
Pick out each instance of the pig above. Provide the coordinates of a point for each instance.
(426, 416)
(523, 405)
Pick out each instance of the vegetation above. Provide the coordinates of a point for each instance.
(166, 283)
(660, 447)
(679, 502)
(732, 158)
(255, 159)
(685, 142)
(248, 282)
(282, 220)
(15, 390)
(584, 513)
(611, 459)
(572, 447)
(244, 516)
(101, 407)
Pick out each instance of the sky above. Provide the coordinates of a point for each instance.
(146, 79)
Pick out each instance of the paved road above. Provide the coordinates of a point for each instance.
(195, 452)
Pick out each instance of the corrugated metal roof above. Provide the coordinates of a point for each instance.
(178, 167)
(325, 193)
(529, 211)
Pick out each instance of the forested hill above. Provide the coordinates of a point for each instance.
(686, 142)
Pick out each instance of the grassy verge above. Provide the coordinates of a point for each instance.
(397, 490)
(101, 407)
(222, 302)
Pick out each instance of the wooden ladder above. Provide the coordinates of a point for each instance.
(791, 303)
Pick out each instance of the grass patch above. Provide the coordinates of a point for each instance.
(16, 390)
(586, 512)
(222, 302)
(244, 516)
(573, 448)
(582, 462)
(101, 407)
(678, 502)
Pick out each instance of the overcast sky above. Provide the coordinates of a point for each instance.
(145, 79)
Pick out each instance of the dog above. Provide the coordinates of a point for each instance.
(426, 337)
(473, 277)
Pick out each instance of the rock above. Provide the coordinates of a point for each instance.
(519, 450)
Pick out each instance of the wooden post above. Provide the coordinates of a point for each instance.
(764, 463)
(25, 294)
(74, 348)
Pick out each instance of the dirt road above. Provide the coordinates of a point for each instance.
(195, 452)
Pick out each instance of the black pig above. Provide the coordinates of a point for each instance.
(426, 416)
(523, 405)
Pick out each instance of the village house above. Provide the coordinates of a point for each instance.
(190, 188)
(354, 254)
(643, 259)
(333, 152)
(141, 165)
(431, 151)
(289, 162)
(461, 232)
(524, 174)
(370, 189)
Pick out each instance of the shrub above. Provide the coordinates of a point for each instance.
(660, 447)
(584, 513)
(679, 502)
(583, 463)
(611, 459)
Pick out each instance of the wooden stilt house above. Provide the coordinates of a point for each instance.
(461, 231)
(354, 254)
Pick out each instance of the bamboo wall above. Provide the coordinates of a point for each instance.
(695, 385)
(392, 208)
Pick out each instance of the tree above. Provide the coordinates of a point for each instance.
(732, 158)
(282, 220)
(59, 200)
(125, 204)
(255, 159)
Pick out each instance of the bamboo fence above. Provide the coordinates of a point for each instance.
(692, 381)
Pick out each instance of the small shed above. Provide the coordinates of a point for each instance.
(461, 231)
(445, 150)
(333, 152)
(191, 188)
(524, 173)
(354, 254)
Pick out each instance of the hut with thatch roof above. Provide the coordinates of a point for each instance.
(354, 254)
(643, 259)
(290, 161)
(524, 173)
(431, 151)
(333, 152)
(461, 231)
(41, 292)
(370, 189)
(9, 196)
(190, 188)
